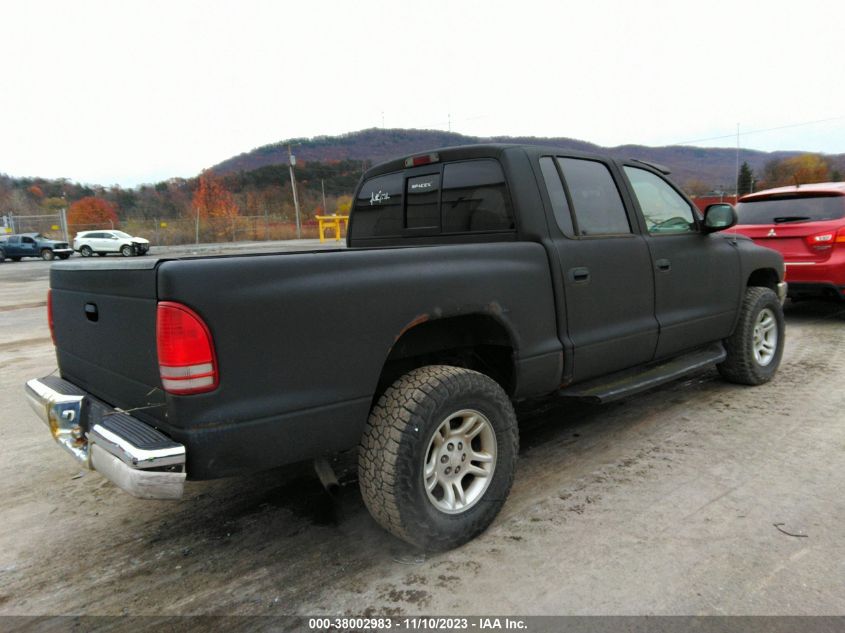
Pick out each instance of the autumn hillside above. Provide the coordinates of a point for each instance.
(250, 196)
(714, 168)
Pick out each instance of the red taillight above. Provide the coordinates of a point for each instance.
(821, 241)
(50, 316)
(186, 360)
(840, 236)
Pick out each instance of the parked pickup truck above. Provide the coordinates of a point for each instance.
(474, 277)
(15, 247)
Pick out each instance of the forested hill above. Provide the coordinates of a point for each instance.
(712, 166)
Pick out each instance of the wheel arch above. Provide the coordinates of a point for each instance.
(764, 277)
(475, 341)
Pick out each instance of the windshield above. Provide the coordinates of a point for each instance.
(791, 208)
(121, 234)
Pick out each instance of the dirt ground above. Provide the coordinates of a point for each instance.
(697, 498)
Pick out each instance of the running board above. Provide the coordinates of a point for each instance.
(631, 381)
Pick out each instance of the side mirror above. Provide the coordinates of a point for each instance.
(718, 217)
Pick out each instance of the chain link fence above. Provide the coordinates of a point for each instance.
(49, 224)
(182, 231)
(172, 231)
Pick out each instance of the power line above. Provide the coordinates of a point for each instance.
(770, 129)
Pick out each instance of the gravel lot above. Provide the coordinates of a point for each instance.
(697, 498)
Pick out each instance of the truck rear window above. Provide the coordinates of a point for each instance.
(423, 202)
(378, 209)
(791, 208)
(453, 198)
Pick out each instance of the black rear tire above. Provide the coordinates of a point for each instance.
(15, 259)
(86, 251)
(751, 359)
(396, 453)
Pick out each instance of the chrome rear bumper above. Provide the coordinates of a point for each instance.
(134, 456)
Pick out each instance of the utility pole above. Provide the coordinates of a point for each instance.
(64, 218)
(323, 186)
(64, 224)
(197, 229)
(292, 161)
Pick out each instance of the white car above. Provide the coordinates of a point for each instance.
(111, 241)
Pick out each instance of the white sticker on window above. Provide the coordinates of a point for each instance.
(379, 196)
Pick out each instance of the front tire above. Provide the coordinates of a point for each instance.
(127, 250)
(47, 255)
(437, 458)
(756, 346)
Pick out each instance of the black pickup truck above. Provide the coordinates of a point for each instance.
(474, 277)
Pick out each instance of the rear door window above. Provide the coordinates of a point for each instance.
(557, 196)
(475, 198)
(595, 199)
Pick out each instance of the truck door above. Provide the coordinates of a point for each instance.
(13, 246)
(28, 247)
(696, 275)
(606, 267)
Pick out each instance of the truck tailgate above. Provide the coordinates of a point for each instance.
(105, 319)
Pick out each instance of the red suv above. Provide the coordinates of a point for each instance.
(806, 224)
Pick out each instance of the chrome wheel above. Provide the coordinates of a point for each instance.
(765, 337)
(460, 461)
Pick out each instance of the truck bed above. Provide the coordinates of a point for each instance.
(300, 338)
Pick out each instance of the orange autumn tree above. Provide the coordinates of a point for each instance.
(802, 170)
(92, 211)
(212, 201)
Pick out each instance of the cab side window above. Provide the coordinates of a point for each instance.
(664, 209)
(596, 202)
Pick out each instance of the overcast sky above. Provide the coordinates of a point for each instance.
(124, 92)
